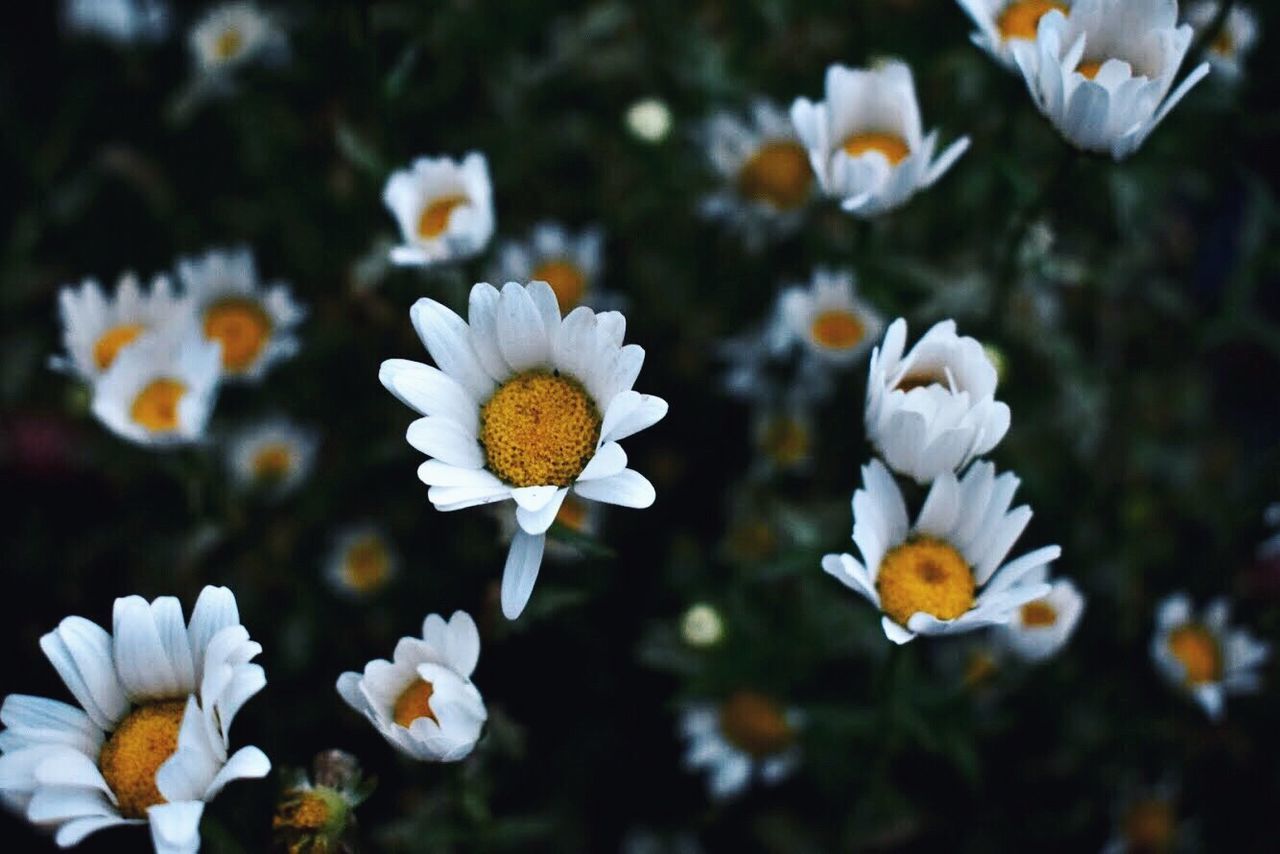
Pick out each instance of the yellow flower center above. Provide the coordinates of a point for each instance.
(366, 565)
(142, 742)
(1197, 649)
(1224, 44)
(414, 703)
(1149, 826)
(924, 575)
(1021, 18)
(778, 173)
(837, 329)
(1090, 68)
(434, 218)
(242, 327)
(539, 429)
(111, 342)
(755, 724)
(156, 406)
(228, 43)
(1039, 614)
(566, 279)
(785, 440)
(572, 514)
(921, 379)
(894, 148)
(272, 461)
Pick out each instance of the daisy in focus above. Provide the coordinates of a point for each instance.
(275, 455)
(569, 263)
(1234, 42)
(149, 741)
(1203, 655)
(361, 562)
(946, 573)
(828, 319)
(97, 327)
(865, 140)
(524, 406)
(121, 21)
(444, 209)
(234, 35)
(1001, 23)
(1041, 628)
(423, 701)
(748, 735)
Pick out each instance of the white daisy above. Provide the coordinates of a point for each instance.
(569, 263)
(1102, 74)
(1234, 42)
(524, 405)
(943, 574)
(934, 409)
(361, 561)
(828, 319)
(865, 140)
(423, 702)
(1001, 23)
(1041, 627)
(255, 323)
(122, 21)
(746, 735)
(275, 455)
(149, 743)
(233, 35)
(444, 209)
(1204, 656)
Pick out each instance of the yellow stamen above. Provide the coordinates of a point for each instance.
(778, 173)
(838, 329)
(755, 724)
(272, 461)
(785, 440)
(1021, 18)
(539, 429)
(243, 328)
(111, 342)
(924, 575)
(1149, 827)
(228, 43)
(366, 565)
(922, 379)
(142, 742)
(894, 148)
(1224, 44)
(565, 278)
(434, 218)
(1039, 614)
(413, 703)
(1198, 651)
(1090, 69)
(156, 406)
(307, 811)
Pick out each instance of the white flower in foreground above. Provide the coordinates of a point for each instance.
(275, 455)
(1042, 627)
(1102, 75)
(1001, 23)
(423, 702)
(149, 743)
(233, 35)
(569, 263)
(122, 21)
(1204, 656)
(96, 328)
(828, 318)
(933, 409)
(524, 406)
(255, 323)
(865, 140)
(944, 574)
(444, 209)
(1234, 42)
(746, 735)
(361, 561)
(649, 119)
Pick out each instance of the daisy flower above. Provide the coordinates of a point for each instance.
(234, 35)
(254, 323)
(944, 574)
(121, 21)
(746, 735)
(523, 405)
(361, 561)
(423, 701)
(569, 263)
(934, 409)
(1102, 75)
(1042, 627)
(1203, 656)
(1234, 42)
(444, 209)
(149, 743)
(317, 815)
(832, 324)
(276, 455)
(1001, 23)
(865, 140)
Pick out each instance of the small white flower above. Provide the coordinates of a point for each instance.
(1042, 627)
(361, 561)
(934, 409)
(233, 35)
(1233, 44)
(746, 735)
(944, 574)
(569, 263)
(649, 119)
(275, 455)
(1001, 23)
(1102, 75)
(701, 626)
(865, 141)
(149, 743)
(423, 701)
(828, 319)
(1204, 656)
(122, 21)
(444, 209)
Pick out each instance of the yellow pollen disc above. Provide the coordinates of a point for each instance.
(837, 329)
(413, 703)
(135, 751)
(111, 342)
(566, 280)
(755, 724)
(156, 406)
(572, 514)
(1197, 649)
(539, 429)
(1039, 614)
(778, 173)
(1089, 69)
(228, 43)
(923, 379)
(272, 461)
(924, 575)
(366, 565)
(894, 148)
(242, 327)
(785, 440)
(1021, 18)
(1148, 827)
(434, 218)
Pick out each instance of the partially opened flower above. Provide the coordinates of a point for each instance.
(946, 573)
(274, 455)
(524, 406)
(1203, 656)
(97, 327)
(149, 743)
(1103, 74)
(569, 263)
(1042, 627)
(746, 735)
(865, 140)
(423, 701)
(361, 561)
(1001, 23)
(444, 209)
(828, 319)
(233, 35)
(1233, 43)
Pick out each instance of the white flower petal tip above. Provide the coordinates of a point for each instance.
(524, 559)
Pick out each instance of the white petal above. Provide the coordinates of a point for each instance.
(59, 803)
(521, 572)
(139, 653)
(175, 827)
(534, 498)
(166, 611)
(430, 391)
(247, 763)
(80, 651)
(608, 461)
(896, 633)
(538, 521)
(630, 412)
(627, 488)
(447, 338)
(73, 832)
(447, 441)
(214, 611)
(522, 337)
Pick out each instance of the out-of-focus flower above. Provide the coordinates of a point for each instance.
(865, 141)
(1102, 75)
(233, 35)
(828, 319)
(942, 575)
(275, 455)
(701, 625)
(444, 209)
(1042, 627)
(255, 323)
(784, 437)
(121, 21)
(423, 701)
(569, 263)
(1271, 545)
(149, 743)
(1001, 23)
(649, 119)
(1147, 823)
(746, 735)
(1204, 656)
(1231, 47)
(523, 406)
(316, 816)
(361, 561)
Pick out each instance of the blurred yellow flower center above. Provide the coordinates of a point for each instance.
(242, 327)
(1224, 44)
(156, 406)
(228, 43)
(565, 278)
(838, 329)
(272, 461)
(755, 724)
(539, 429)
(924, 575)
(434, 218)
(366, 565)
(1149, 826)
(785, 440)
(1039, 614)
(572, 514)
(894, 148)
(135, 751)
(1090, 68)
(922, 379)
(1197, 650)
(778, 173)
(306, 811)
(413, 703)
(111, 342)
(1020, 19)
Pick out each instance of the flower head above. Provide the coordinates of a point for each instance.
(275, 455)
(1042, 627)
(1003, 23)
(233, 35)
(444, 209)
(361, 562)
(828, 319)
(746, 735)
